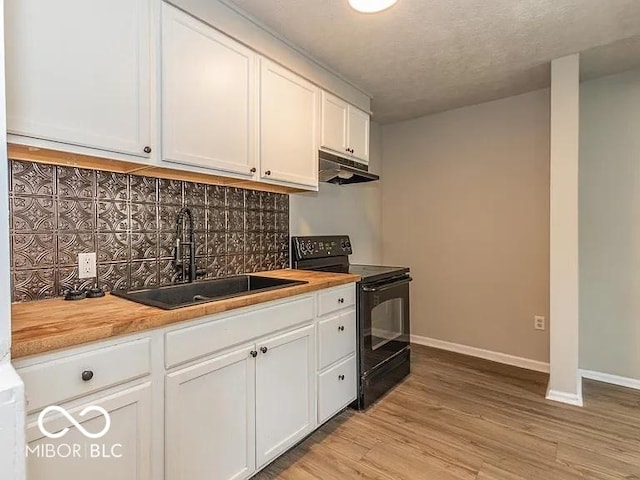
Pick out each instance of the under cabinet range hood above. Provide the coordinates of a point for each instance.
(334, 169)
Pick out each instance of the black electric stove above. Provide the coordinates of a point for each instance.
(382, 311)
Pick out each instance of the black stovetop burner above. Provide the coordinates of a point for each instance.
(331, 254)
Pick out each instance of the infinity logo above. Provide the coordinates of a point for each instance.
(64, 431)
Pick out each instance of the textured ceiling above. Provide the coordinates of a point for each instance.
(612, 58)
(426, 56)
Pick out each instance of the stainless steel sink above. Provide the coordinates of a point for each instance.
(187, 294)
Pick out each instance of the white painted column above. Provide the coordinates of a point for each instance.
(12, 417)
(565, 384)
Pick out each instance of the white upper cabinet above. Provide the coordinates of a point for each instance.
(288, 127)
(344, 128)
(79, 73)
(208, 96)
(333, 131)
(359, 134)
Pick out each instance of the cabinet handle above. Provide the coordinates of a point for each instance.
(340, 377)
(253, 353)
(268, 172)
(147, 149)
(253, 170)
(263, 349)
(87, 375)
(341, 328)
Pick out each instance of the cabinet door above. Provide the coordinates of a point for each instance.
(79, 72)
(207, 96)
(123, 452)
(359, 133)
(285, 392)
(333, 126)
(288, 127)
(210, 419)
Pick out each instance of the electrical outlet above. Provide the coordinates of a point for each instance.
(87, 265)
(538, 322)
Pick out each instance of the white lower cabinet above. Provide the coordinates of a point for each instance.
(237, 411)
(336, 388)
(209, 418)
(124, 452)
(285, 400)
(224, 395)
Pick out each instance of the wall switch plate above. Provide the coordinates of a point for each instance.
(87, 265)
(538, 322)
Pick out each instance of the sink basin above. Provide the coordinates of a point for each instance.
(187, 294)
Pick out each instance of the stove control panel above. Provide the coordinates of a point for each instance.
(320, 247)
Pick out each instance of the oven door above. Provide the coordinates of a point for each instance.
(384, 321)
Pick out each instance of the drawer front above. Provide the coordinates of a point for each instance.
(53, 382)
(336, 299)
(337, 388)
(224, 332)
(336, 338)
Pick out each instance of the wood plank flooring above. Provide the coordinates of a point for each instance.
(458, 417)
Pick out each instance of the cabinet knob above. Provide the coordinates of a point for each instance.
(268, 172)
(253, 353)
(253, 170)
(87, 375)
(147, 149)
(341, 300)
(341, 328)
(263, 349)
(340, 377)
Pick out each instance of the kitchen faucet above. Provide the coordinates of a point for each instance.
(178, 260)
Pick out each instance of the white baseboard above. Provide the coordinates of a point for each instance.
(564, 397)
(481, 353)
(613, 379)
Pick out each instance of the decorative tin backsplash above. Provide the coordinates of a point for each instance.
(130, 221)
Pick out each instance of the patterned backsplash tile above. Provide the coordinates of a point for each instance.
(130, 221)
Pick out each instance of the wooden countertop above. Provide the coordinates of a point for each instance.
(42, 326)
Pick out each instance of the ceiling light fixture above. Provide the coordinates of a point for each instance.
(371, 6)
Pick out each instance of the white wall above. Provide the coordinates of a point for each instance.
(349, 209)
(564, 382)
(610, 225)
(5, 298)
(12, 416)
(466, 206)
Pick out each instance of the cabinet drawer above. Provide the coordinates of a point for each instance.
(336, 388)
(53, 382)
(223, 332)
(337, 338)
(336, 299)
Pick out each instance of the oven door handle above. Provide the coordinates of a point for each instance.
(386, 286)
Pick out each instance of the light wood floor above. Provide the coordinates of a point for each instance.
(458, 417)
